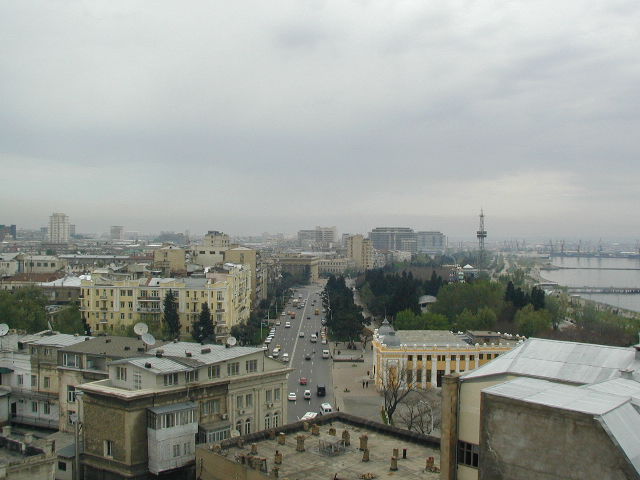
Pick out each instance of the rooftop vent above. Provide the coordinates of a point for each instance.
(107, 340)
(188, 354)
(159, 353)
(147, 365)
(127, 347)
(141, 349)
(205, 350)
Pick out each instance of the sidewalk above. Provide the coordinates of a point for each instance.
(363, 402)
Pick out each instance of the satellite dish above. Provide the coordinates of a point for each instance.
(140, 328)
(231, 341)
(148, 339)
(4, 329)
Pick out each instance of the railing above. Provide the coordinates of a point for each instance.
(149, 309)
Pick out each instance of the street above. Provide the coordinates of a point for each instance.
(316, 370)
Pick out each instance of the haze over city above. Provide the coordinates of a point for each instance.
(255, 116)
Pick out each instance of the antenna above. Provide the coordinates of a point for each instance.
(148, 339)
(140, 328)
(4, 329)
(231, 341)
(481, 234)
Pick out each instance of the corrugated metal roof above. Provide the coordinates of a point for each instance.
(60, 340)
(563, 361)
(158, 365)
(623, 424)
(217, 353)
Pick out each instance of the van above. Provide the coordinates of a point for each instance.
(314, 338)
(309, 416)
(321, 390)
(275, 353)
(325, 408)
(325, 354)
(285, 357)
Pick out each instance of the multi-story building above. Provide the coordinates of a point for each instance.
(40, 263)
(8, 232)
(504, 419)
(360, 250)
(171, 260)
(152, 410)
(335, 266)
(250, 258)
(108, 305)
(58, 228)
(431, 242)
(301, 266)
(319, 237)
(8, 264)
(88, 361)
(34, 380)
(394, 238)
(211, 251)
(117, 232)
(424, 357)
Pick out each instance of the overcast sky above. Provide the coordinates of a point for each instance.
(253, 116)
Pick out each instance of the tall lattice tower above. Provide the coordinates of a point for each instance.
(481, 234)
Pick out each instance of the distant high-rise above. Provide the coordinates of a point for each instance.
(320, 236)
(58, 228)
(117, 232)
(394, 238)
(431, 242)
(8, 231)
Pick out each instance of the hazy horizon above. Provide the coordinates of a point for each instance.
(258, 117)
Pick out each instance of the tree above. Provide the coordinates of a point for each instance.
(24, 309)
(395, 387)
(203, 329)
(531, 322)
(170, 317)
(69, 320)
(420, 411)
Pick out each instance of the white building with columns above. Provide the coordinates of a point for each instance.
(425, 356)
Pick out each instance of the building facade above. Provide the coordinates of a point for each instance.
(424, 357)
(148, 416)
(431, 242)
(394, 238)
(360, 250)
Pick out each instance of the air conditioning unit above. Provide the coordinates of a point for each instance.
(225, 416)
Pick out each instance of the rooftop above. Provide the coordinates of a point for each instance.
(205, 354)
(59, 340)
(121, 347)
(324, 456)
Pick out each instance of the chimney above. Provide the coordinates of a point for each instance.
(300, 443)
(28, 438)
(332, 431)
(365, 455)
(363, 442)
(394, 464)
(315, 430)
(254, 449)
(147, 365)
(346, 437)
(188, 354)
(282, 438)
(627, 373)
(278, 458)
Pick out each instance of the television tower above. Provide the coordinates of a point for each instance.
(481, 234)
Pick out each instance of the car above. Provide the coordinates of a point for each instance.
(303, 380)
(265, 347)
(325, 408)
(301, 334)
(325, 354)
(314, 338)
(292, 396)
(321, 390)
(309, 415)
(308, 317)
(285, 357)
(307, 395)
(283, 314)
(278, 323)
(268, 340)
(287, 325)
(278, 347)
(324, 341)
(307, 356)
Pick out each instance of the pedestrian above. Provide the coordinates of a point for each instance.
(362, 383)
(367, 383)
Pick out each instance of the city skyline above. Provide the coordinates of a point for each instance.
(322, 113)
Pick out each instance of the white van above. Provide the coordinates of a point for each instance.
(309, 416)
(314, 338)
(325, 354)
(285, 357)
(325, 408)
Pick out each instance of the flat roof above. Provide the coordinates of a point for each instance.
(111, 346)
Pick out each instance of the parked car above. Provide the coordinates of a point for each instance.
(285, 357)
(287, 325)
(325, 354)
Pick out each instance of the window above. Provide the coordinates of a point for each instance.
(481, 356)
(210, 407)
(214, 371)
(419, 376)
(239, 401)
(410, 358)
(186, 448)
(20, 379)
(268, 396)
(248, 400)
(276, 395)
(34, 407)
(276, 419)
(121, 373)
(472, 358)
(419, 358)
(428, 358)
(71, 393)
(462, 358)
(176, 450)
(70, 360)
(252, 366)
(191, 376)
(233, 368)
(267, 421)
(34, 381)
(468, 454)
(137, 381)
(108, 448)
(247, 426)
(46, 408)
(239, 426)
(71, 417)
(62, 466)
(453, 358)
(171, 379)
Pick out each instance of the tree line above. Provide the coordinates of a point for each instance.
(344, 317)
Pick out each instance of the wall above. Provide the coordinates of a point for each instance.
(526, 441)
(211, 466)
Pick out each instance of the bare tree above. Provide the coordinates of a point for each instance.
(395, 387)
(420, 411)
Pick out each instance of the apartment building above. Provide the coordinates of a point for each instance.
(546, 409)
(394, 238)
(108, 305)
(171, 260)
(335, 266)
(431, 242)
(360, 250)
(301, 266)
(58, 228)
(425, 356)
(88, 361)
(211, 251)
(148, 416)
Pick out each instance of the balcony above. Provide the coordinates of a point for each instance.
(103, 297)
(104, 309)
(149, 299)
(149, 310)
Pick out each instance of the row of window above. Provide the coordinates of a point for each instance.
(148, 293)
(46, 381)
(172, 419)
(442, 358)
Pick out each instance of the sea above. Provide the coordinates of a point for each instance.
(599, 272)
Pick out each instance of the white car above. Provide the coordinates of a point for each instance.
(292, 396)
(285, 357)
(301, 335)
(278, 323)
(287, 325)
(307, 395)
(268, 340)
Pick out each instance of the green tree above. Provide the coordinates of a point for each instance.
(24, 309)
(69, 320)
(203, 328)
(530, 322)
(170, 317)
(454, 298)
